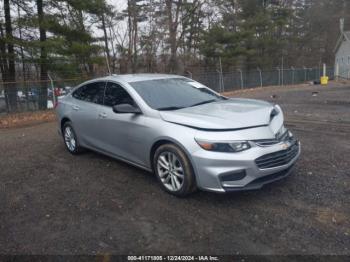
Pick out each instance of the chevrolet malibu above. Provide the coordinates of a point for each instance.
(188, 135)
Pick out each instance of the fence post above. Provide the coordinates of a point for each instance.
(26, 94)
(218, 71)
(317, 78)
(293, 70)
(261, 83)
(7, 101)
(319, 70)
(53, 90)
(337, 72)
(222, 80)
(189, 74)
(282, 71)
(241, 73)
(279, 76)
(305, 74)
(221, 75)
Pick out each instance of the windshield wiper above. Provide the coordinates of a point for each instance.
(169, 108)
(204, 102)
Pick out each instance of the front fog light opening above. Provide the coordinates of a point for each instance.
(233, 176)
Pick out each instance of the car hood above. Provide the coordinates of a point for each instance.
(227, 114)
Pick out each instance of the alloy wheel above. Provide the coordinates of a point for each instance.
(170, 171)
(69, 138)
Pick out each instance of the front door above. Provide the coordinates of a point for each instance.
(121, 133)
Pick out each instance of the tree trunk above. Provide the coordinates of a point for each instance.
(112, 35)
(10, 73)
(130, 34)
(43, 57)
(3, 61)
(134, 62)
(173, 20)
(105, 37)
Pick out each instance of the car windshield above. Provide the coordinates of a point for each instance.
(174, 93)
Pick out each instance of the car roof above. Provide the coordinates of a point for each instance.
(139, 77)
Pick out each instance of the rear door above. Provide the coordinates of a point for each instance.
(86, 109)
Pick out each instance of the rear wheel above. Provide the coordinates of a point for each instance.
(70, 139)
(174, 170)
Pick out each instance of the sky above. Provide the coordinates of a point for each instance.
(118, 4)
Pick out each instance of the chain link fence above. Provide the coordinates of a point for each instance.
(234, 80)
(24, 96)
(39, 95)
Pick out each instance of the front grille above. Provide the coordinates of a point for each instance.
(269, 142)
(279, 158)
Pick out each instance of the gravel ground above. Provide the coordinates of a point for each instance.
(55, 203)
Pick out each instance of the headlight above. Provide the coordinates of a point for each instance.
(232, 147)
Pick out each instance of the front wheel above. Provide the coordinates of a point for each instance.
(70, 139)
(174, 170)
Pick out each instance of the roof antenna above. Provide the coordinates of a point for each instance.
(107, 62)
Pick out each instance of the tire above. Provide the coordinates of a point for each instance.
(72, 143)
(175, 174)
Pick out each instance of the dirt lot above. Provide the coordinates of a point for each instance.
(55, 203)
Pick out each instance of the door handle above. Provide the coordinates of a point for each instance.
(76, 108)
(102, 115)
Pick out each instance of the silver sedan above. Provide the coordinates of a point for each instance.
(188, 135)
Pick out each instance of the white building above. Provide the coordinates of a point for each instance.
(342, 53)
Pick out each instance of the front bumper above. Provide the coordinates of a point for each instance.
(260, 182)
(214, 170)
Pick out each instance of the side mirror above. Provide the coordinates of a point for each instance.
(126, 109)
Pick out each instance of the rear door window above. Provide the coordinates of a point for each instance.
(116, 94)
(92, 92)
